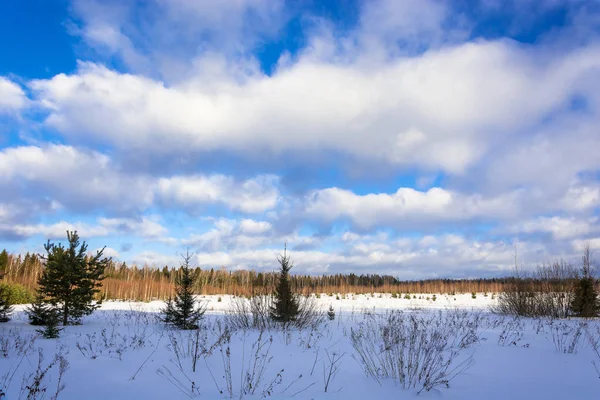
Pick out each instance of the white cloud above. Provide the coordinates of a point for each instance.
(407, 25)
(83, 180)
(252, 227)
(560, 227)
(109, 252)
(406, 207)
(581, 244)
(505, 132)
(143, 228)
(230, 234)
(12, 97)
(446, 255)
(444, 110)
(77, 179)
(54, 231)
(167, 38)
(250, 196)
(581, 197)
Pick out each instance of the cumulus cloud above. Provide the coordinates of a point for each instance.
(406, 207)
(109, 252)
(143, 227)
(12, 97)
(445, 255)
(443, 110)
(250, 196)
(169, 38)
(559, 227)
(408, 26)
(500, 136)
(82, 181)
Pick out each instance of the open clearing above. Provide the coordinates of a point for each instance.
(123, 351)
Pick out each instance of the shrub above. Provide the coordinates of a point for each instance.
(566, 337)
(253, 313)
(548, 293)
(418, 350)
(16, 293)
(256, 313)
(512, 333)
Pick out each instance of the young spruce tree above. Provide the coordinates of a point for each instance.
(39, 311)
(285, 307)
(184, 311)
(585, 299)
(71, 278)
(6, 308)
(50, 323)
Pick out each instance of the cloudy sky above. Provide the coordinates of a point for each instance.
(418, 138)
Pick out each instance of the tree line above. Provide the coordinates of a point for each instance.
(70, 284)
(71, 279)
(146, 283)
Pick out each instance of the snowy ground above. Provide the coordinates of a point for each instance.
(121, 351)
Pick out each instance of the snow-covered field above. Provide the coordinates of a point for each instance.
(122, 352)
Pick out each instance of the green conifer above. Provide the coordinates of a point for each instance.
(331, 313)
(51, 321)
(585, 299)
(285, 307)
(6, 308)
(184, 311)
(38, 312)
(71, 278)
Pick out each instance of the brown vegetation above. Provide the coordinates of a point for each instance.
(149, 283)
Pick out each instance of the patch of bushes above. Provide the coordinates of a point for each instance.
(16, 293)
(418, 351)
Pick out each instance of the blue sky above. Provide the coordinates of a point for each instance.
(417, 138)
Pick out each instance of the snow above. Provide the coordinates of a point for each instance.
(526, 364)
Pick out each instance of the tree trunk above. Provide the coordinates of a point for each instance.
(65, 314)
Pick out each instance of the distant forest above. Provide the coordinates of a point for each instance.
(130, 282)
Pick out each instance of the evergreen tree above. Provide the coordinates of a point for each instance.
(285, 307)
(184, 311)
(331, 313)
(51, 320)
(38, 312)
(585, 299)
(71, 278)
(3, 262)
(6, 308)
